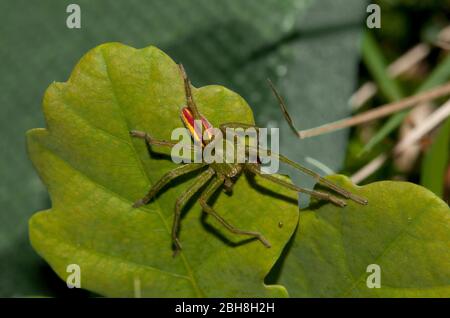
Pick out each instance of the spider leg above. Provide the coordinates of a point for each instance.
(150, 140)
(232, 124)
(321, 180)
(206, 195)
(283, 108)
(169, 176)
(188, 92)
(181, 202)
(157, 142)
(305, 170)
(320, 195)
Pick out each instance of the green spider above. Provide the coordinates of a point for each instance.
(226, 174)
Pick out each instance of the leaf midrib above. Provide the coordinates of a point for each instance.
(93, 251)
(145, 173)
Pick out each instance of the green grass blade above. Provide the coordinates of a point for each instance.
(377, 66)
(435, 161)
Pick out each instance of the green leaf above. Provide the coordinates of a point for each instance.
(94, 172)
(405, 229)
(434, 164)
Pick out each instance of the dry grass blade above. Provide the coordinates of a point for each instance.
(431, 122)
(405, 62)
(378, 112)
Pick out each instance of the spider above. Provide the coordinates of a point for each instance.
(218, 175)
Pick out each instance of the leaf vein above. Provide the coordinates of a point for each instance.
(119, 106)
(389, 246)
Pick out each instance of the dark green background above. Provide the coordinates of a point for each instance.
(308, 47)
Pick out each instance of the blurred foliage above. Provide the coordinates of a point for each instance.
(376, 63)
(404, 24)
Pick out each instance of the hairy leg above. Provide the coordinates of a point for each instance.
(169, 176)
(209, 191)
(305, 170)
(200, 181)
(189, 99)
(320, 195)
(283, 107)
(150, 140)
(226, 125)
(321, 180)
